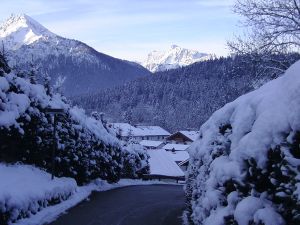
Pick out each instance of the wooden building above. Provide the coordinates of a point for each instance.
(183, 137)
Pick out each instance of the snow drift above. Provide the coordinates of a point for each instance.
(37, 191)
(244, 168)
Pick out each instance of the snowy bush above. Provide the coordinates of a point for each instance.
(135, 161)
(245, 167)
(37, 191)
(85, 148)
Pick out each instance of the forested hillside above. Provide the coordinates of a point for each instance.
(186, 97)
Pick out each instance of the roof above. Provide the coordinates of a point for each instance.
(161, 163)
(179, 156)
(193, 135)
(177, 147)
(129, 130)
(148, 143)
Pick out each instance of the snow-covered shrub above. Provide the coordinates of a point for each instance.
(245, 167)
(37, 191)
(135, 161)
(85, 148)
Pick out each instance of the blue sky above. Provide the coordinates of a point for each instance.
(130, 29)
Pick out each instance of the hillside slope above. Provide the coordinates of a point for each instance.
(181, 98)
(83, 68)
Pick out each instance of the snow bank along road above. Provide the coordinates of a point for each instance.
(135, 205)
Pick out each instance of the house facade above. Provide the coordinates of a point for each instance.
(149, 144)
(183, 137)
(138, 133)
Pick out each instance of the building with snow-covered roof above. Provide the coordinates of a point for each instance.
(148, 144)
(161, 163)
(183, 137)
(179, 154)
(175, 147)
(125, 131)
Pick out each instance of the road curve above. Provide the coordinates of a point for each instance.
(134, 205)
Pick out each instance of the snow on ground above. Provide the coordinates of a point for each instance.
(161, 163)
(51, 213)
(27, 189)
(23, 188)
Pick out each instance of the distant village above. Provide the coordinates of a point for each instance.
(168, 152)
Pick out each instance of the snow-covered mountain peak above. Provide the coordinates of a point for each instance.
(174, 46)
(20, 30)
(172, 58)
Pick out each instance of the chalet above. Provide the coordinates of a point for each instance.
(125, 131)
(183, 137)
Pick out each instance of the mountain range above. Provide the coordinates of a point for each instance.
(173, 58)
(82, 68)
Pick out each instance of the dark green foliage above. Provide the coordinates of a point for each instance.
(229, 220)
(4, 68)
(225, 128)
(278, 180)
(132, 165)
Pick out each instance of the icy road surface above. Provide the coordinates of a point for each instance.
(135, 205)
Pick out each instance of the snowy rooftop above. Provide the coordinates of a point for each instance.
(125, 129)
(148, 143)
(161, 163)
(179, 156)
(193, 135)
(176, 147)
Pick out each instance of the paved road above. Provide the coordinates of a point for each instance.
(135, 205)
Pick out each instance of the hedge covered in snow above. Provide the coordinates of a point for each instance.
(25, 190)
(86, 148)
(135, 161)
(245, 167)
